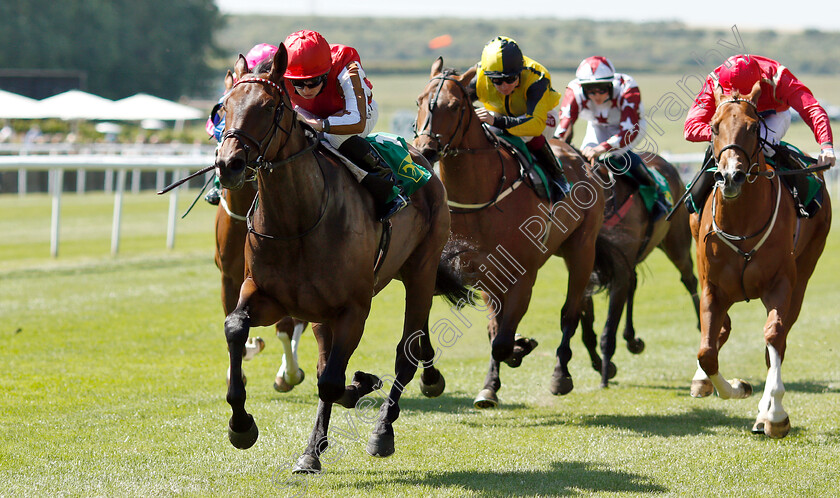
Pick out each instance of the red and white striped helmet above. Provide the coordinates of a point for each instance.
(595, 69)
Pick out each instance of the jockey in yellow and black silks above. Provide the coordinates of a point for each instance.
(516, 94)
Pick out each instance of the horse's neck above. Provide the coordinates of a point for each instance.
(477, 170)
(291, 194)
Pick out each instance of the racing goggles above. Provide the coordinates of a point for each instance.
(310, 83)
(498, 80)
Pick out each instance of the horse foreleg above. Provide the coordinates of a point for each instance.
(701, 385)
(713, 310)
(772, 418)
(344, 332)
(583, 256)
(618, 296)
(310, 461)
(290, 374)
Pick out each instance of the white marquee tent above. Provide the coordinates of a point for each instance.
(14, 106)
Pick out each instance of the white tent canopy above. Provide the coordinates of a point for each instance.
(76, 104)
(14, 106)
(143, 106)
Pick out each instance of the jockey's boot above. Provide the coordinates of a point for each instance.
(798, 184)
(640, 172)
(701, 187)
(379, 181)
(558, 184)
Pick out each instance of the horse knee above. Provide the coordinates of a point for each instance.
(236, 327)
(502, 348)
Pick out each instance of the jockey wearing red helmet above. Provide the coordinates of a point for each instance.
(612, 104)
(331, 93)
(780, 91)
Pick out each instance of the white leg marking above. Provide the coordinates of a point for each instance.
(700, 374)
(289, 369)
(770, 405)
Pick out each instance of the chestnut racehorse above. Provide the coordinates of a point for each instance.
(627, 224)
(512, 231)
(751, 245)
(231, 231)
(311, 253)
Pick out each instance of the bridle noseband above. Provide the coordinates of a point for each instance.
(752, 158)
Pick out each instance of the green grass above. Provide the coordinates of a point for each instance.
(399, 92)
(113, 385)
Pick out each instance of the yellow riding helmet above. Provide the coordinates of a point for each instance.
(501, 57)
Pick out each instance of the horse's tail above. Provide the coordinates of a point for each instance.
(611, 265)
(450, 283)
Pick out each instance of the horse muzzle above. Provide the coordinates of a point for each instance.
(730, 182)
(231, 172)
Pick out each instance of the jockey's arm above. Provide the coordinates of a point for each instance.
(351, 120)
(532, 123)
(697, 127)
(799, 97)
(568, 116)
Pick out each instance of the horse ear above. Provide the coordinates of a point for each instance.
(241, 67)
(718, 94)
(278, 65)
(437, 66)
(228, 81)
(469, 74)
(755, 92)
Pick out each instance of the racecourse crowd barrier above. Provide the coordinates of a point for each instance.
(154, 168)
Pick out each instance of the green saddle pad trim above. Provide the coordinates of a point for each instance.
(519, 144)
(650, 193)
(394, 150)
(814, 183)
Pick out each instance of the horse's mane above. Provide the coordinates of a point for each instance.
(264, 66)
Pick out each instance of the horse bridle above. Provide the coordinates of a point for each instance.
(260, 161)
(444, 148)
(261, 144)
(752, 158)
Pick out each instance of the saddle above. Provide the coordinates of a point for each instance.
(531, 171)
(805, 188)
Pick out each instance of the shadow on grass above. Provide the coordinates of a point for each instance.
(563, 478)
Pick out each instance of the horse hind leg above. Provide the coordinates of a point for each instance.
(290, 374)
(634, 344)
(587, 332)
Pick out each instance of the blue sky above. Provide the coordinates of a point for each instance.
(772, 14)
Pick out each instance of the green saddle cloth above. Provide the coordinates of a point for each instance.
(649, 193)
(814, 183)
(394, 150)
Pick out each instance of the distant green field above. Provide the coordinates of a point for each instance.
(399, 92)
(113, 385)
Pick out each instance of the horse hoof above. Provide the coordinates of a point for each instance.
(636, 346)
(522, 347)
(741, 385)
(433, 390)
(611, 369)
(381, 443)
(253, 347)
(604, 385)
(246, 439)
(777, 430)
(561, 385)
(701, 388)
(486, 399)
(281, 386)
(307, 464)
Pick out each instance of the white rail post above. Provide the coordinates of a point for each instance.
(55, 221)
(173, 212)
(118, 201)
(21, 182)
(81, 181)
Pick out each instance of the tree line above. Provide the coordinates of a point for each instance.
(174, 48)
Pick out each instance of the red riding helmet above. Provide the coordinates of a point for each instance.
(739, 73)
(309, 55)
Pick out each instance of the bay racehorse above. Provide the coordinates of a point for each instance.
(512, 230)
(231, 232)
(312, 252)
(628, 225)
(751, 245)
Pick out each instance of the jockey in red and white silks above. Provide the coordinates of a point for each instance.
(780, 91)
(611, 103)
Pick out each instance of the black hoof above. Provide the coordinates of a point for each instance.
(433, 390)
(611, 370)
(522, 347)
(381, 443)
(307, 464)
(635, 346)
(246, 439)
(561, 385)
(486, 399)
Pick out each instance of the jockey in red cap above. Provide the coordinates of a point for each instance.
(780, 91)
(330, 92)
(612, 104)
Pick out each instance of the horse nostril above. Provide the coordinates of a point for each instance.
(718, 177)
(739, 177)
